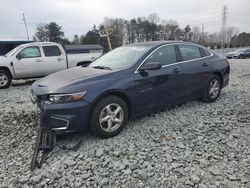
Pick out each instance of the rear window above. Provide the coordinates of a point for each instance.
(51, 51)
(204, 52)
(189, 52)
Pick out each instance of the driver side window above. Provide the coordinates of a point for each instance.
(30, 52)
(165, 55)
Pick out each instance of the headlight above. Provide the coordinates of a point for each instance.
(65, 98)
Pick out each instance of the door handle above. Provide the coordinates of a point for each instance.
(204, 64)
(39, 60)
(176, 70)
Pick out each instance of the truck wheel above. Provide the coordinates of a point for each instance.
(109, 116)
(5, 79)
(212, 89)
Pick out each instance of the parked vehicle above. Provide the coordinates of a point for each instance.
(128, 82)
(40, 59)
(6, 46)
(239, 54)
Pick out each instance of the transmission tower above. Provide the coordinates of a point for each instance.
(224, 23)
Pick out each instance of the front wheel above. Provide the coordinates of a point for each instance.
(109, 116)
(212, 89)
(5, 79)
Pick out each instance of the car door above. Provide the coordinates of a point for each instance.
(54, 59)
(161, 87)
(196, 68)
(28, 63)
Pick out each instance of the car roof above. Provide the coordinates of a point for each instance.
(38, 44)
(159, 43)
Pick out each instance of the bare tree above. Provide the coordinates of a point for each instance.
(41, 33)
(118, 26)
(229, 33)
(76, 40)
(196, 34)
(171, 30)
(154, 18)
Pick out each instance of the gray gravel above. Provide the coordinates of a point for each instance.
(193, 145)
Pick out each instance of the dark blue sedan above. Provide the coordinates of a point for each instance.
(128, 82)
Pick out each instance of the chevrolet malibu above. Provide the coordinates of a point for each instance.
(126, 83)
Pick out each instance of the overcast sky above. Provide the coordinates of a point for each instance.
(78, 16)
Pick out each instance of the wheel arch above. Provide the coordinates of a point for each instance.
(220, 76)
(117, 93)
(7, 70)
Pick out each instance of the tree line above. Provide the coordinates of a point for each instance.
(143, 29)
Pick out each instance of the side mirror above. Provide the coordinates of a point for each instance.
(18, 56)
(150, 66)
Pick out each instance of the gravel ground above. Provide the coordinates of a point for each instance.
(193, 145)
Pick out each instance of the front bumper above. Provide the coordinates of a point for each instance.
(232, 56)
(66, 117)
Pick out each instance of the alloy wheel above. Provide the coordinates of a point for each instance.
(111, 117)
(214, 88)
(3, 79)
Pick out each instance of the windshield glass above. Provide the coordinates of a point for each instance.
(240, 50)
(10, 53)
(121, 58)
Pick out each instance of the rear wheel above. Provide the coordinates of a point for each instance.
(5, 79)
(212, 89)
(109, 116)
(241, 57)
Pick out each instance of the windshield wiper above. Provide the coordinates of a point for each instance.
(102, 67)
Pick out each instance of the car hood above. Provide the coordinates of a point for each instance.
(233, 53)
(57, 82)
(2, 59)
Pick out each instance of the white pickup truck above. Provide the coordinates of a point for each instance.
(38, 59)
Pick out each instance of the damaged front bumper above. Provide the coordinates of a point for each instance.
(65, 117)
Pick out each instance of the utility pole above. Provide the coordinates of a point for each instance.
(224, 23)
(202, 28)
(107, 33)
(24, 20)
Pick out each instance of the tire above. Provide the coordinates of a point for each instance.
(112, 122)
(5, 79)
(241, 57)
(212, 89)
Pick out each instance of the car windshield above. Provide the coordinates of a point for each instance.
(10, 53)
(240, 50)
(120, 58)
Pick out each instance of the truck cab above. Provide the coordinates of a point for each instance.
(39, 59)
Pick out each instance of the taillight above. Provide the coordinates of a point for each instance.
(226, 60)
